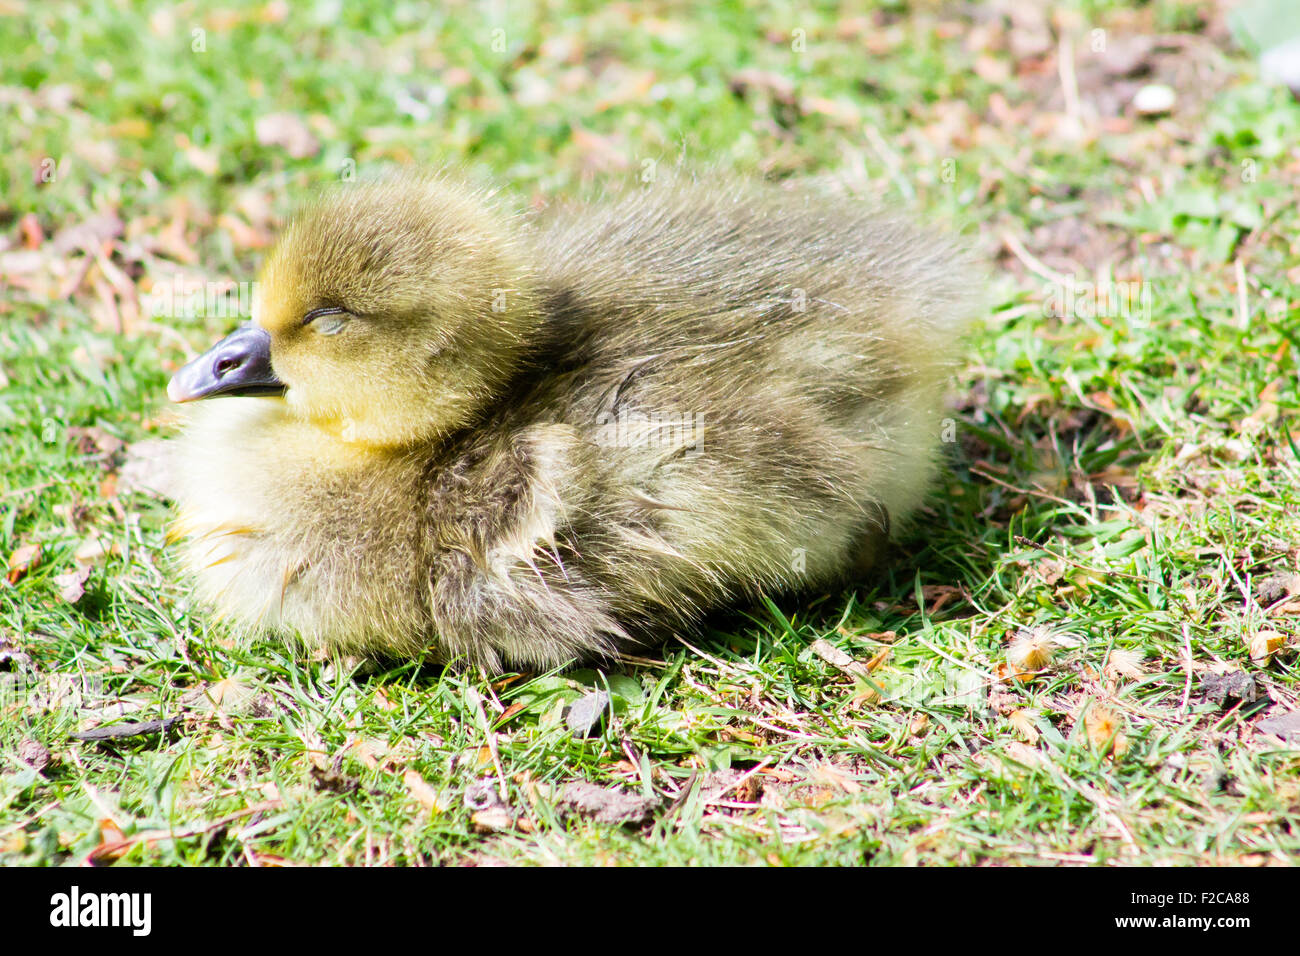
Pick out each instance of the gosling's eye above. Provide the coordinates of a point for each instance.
(328, 321)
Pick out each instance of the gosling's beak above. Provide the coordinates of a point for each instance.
(240, 364)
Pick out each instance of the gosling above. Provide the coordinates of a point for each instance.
(455, 433)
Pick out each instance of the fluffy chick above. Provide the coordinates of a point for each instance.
(453, 432)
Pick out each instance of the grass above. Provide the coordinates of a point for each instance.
(1121, 481)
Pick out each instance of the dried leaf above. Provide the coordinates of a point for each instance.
(113, 844)
(147, 469)
(509, 713)
(1263, 644)
(599, 153)
(424, 794)
(25, 559)
(242, 235)
(492, 819)
(72, 584)
(585, 714)
(88, 235)
(842, 661)
(34, 754)
(1050, 570)
(1023, 754)
(30, 227)
(829, 774)
(379, 755)
(289, 132)
(778, 87)
(940, 595)
(834, 656)
(1259, 421)
(205, 161)
(110, 832)
(227, 696)
(1286, 726)
(90, 550)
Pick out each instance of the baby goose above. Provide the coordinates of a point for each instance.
(523, 443)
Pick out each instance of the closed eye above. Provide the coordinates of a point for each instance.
(333, 319)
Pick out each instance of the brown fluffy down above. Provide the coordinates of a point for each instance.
(533, 439)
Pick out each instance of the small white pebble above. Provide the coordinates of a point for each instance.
(1154, 99)
(1234, 449)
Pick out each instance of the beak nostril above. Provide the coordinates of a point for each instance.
(240, 364)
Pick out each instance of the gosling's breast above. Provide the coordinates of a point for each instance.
(286, 529)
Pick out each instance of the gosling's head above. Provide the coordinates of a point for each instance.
(388, 312)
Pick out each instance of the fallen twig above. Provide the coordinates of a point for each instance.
(122, 731)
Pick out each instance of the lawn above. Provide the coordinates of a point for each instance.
(1084, 651)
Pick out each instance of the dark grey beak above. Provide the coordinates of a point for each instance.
(240, 364)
